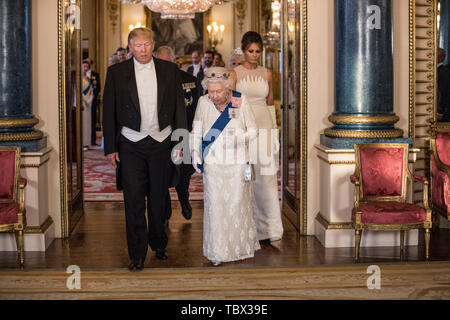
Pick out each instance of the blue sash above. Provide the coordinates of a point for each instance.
(218, 126)
(85, 91)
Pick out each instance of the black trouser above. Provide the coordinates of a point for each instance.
(145, 172)
(182, 188)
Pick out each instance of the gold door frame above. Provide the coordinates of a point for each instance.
(423, 46)
(62, 107)
(297, 206)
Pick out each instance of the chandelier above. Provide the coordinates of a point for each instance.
(177, 9)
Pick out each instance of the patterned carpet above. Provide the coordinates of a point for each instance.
(404, 281)
(100, 180)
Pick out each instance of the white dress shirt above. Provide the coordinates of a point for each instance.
(196, 69)
(147, 92)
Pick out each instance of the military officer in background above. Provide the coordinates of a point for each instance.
(191, 97)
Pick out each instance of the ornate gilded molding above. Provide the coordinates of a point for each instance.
(240, 8)
(304, 120)
(342, 162)
(395, 133)
(423, 45)
(34, 165)
(22, 136)
(113, 9)
(62, 123)
(333, 225)
(18, 122)
(40, 229)
(363, 119)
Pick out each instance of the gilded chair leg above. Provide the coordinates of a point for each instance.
(20, 246)
(427, 244)
(402, 243)
(357, 243)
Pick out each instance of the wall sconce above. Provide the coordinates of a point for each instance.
(215, 34)
(138, 25)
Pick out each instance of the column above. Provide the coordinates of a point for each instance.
(363, 112)
(16, 117)
(363, 75)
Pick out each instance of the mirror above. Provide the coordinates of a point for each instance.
(70, 105)
(294, 104)
(291, 98)
(443, 57)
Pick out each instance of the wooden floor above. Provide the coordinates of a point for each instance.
(99, 241)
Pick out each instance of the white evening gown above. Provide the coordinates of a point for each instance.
(229, 231)
(87, 113)
(266, 209)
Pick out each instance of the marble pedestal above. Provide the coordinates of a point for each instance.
(333, 227)
(39, 232)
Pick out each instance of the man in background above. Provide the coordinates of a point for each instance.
(121, 54)
(188, 83)
(196, 66)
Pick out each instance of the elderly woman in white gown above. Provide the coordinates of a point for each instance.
(229, 231)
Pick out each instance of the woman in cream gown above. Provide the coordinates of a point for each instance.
(229, 231)
(255, 82)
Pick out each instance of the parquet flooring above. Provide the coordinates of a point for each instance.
(99, 242)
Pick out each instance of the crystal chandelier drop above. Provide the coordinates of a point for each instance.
(178, 9)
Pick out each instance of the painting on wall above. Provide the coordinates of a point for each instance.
(182, 35)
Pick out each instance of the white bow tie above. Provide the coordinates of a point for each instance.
(141, 67)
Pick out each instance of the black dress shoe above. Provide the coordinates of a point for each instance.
(186, 210)
(161, 254)
(136, 264)
(140, 265)
(132, 266)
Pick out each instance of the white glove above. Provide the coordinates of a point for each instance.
(275, 141)
(196, 160)
(274, 138)
(273, 115)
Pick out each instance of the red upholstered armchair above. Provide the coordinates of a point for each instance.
(12, 198)
(440, 173)
(380, 180)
